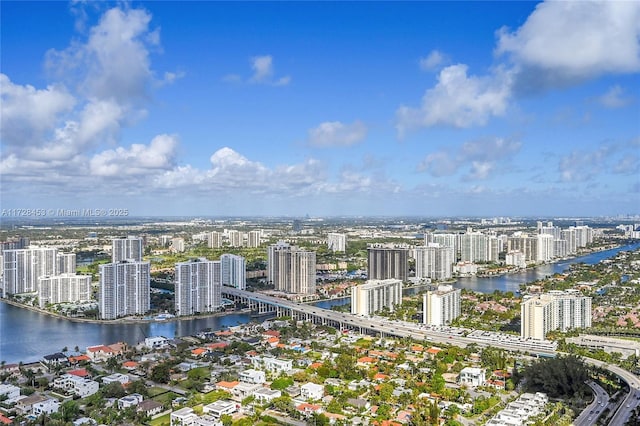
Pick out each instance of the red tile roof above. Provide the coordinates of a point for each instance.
(80, 372)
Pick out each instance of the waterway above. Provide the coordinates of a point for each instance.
(26, 335)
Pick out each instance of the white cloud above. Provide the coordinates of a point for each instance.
(563, 42)
(231, 172)
(114, 62)
(104, 82)
(480, 156)
(581, 166)
(335, 133)
(432, 61)
(614, 98)
(628, 164)
(262, 73)
(458, 100)
(136, 160)
(262, 67)
(440, 163)
(28, 114)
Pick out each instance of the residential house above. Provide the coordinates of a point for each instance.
(265, 395)
(25, 405)
(220, 408)
(129, 401)
(312, 391)
(100, 353)
(472, 376)
(116, 377)
(10, 391)
(273, 365)
(309, 409)
(46, 407)
(157, 342)
(243, 390)
(77, 385)
(53, 360)
(227, 386)
(149, 407)
(183, 417)
(253, 376)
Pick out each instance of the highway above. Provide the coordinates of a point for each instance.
(590, 415)
(631, 401)
(377, 325)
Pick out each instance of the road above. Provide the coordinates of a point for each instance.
(589, 415)
(631, 401)
(443, 335)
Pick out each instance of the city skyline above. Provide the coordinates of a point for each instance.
(322, 108)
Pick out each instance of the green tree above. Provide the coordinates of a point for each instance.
(113, 390)
(281, 383)
(138, 386)
(561, 377)
(161, 373)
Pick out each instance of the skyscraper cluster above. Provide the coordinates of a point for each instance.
(46, 272)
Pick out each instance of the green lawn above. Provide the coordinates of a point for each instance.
(165, 398)
(156, 391)
(161, 421)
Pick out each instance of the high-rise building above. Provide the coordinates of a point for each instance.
(234, 271)
(165, 240)
(291, 269)
(124, 289)
(560, 248)
(526, 245)
(235, 238)
(254, 239)
(386, 262)
(569, 235)
(177, 245)
(66, 263)
(16, 244)
(546, 248)
(584, 236)
(214, 239)
(474, 247)
(556, 310)
(515, 258)
(129, 248)
(551, 230)
(198, 286)
(336, 242)
(64, 288)
(445, 240)
(434, 261)
(375, 295)
(23, 267)
(441, 306)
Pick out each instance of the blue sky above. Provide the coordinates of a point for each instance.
(418, 108)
